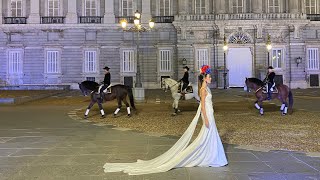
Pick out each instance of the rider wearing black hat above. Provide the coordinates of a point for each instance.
(106, 81)
(185, 78)
(269, 80)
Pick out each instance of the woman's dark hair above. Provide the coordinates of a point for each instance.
(200, 81)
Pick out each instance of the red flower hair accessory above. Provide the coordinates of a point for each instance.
(205, 69)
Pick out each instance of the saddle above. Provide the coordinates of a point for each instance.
(107, 90)
(273, 89)
(189, 89)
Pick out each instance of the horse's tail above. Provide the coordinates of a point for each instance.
(290, 102)
(130, 94)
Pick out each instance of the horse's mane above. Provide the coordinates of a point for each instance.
(90, 85)
(256, 81)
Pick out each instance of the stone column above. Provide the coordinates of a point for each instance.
(1, 12)
(256, 6)
(207, 7)
(182, 7)
(294, 6)
(109, 17)
(34, 17)
(146, 12)
(221, 7)
(72, 17)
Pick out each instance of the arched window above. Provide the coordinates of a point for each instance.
(240, 37)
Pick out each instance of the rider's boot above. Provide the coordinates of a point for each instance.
(101, 96)
(269, 95)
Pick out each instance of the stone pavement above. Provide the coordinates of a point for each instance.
(42, 142)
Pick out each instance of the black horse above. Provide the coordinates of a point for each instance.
(119, 92)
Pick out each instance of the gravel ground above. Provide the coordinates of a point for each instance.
(238, 123)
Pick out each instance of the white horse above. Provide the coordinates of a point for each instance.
(168, 83)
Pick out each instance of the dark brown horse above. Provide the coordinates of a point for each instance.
(282, 95)
(119, 92)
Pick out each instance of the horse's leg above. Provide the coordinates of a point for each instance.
(256, 105)
(88, 109)
(261, 111)
(127, 105)
(101, 108)
(175, 105)
(119, 107)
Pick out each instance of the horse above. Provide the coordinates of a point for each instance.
(119, 92)
(168, 83)
(282, 95)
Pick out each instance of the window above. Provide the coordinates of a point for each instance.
(202, 57)
(313, 59)
(273, 6)
(128, 61)
(15, 62)
(90, 61)
(165, 60)
(311, 6)
(127, 9)
(52, 61)
(90, 7)
(200, 6)
(53, 7)
(277, 57)
(16, 8)
(164, 8)
(237, 6)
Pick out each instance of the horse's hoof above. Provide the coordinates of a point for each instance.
(129, 115)
(283, 114)
(178, 111)
(114, 115)
(85, 117)
(102, 117)
(173, 114)
(261, 114)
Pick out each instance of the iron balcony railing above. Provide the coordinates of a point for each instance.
(313, 17)
(90, 19)
(163, 19)
(129, 19)
(15, 20)
(52, 20)
(244, 16)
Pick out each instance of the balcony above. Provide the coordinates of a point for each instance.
(163, 19)
(313, 17)
(247, 16)
(15, 20)
(52, 20)
(129, 19)
(90, 19)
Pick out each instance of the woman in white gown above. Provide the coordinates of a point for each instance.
(205, 151)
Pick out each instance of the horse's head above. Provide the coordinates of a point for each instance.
(246, 88)
(253, 83)
(83, 89)
(164, 84)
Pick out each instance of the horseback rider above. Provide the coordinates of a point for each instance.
(269, 81)
(106, 82)
(185, 80)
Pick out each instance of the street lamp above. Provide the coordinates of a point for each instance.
(269, 47)
(138, 28)
(225, 48)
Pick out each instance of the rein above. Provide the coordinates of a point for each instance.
(172, 85)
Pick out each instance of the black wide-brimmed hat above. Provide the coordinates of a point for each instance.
(186, 67)
(270, 67)
(106, 68)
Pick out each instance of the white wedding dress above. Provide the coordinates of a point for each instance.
(206, 150)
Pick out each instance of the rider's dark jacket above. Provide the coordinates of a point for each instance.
(270, 78)
(185, 78)
(107, 78)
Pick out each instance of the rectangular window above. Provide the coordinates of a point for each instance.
(127, 7)
(313, 59)
(202, 57)
(274, 6)
(165, 60)
(91, 8)
(90, 61)
(237, 6)
(15, 62)
(16, 8)
(276, 58)
(128, 61)
(200, 6)
(164, 8)
(52, 61)
(311, 6)
(53, 8)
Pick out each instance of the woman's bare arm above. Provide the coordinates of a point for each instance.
(203, 94)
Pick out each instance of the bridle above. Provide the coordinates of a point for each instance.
(169, 87)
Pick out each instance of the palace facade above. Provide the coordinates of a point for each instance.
(63, 42)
